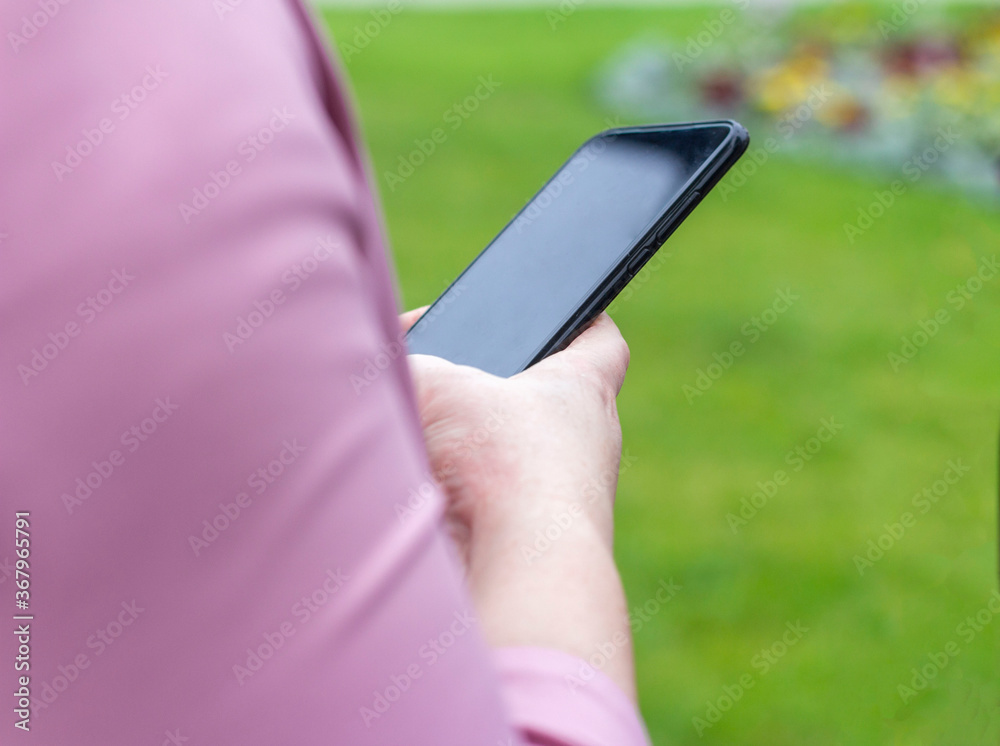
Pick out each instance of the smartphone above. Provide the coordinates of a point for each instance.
(566, 255)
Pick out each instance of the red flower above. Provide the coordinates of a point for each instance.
(920, 57)
(722, 89)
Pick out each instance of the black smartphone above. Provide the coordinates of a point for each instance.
(567, 254)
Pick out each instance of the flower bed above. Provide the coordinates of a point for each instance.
(908, 89)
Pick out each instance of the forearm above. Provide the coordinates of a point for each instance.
(552, 582)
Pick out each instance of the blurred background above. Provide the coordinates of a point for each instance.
(822, 507)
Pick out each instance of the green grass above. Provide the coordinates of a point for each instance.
(694, 461)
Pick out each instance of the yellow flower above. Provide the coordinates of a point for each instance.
(787, 84)
(956, 87)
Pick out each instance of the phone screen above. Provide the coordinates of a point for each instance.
(566, 242)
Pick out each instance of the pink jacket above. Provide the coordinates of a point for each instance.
(231, 533)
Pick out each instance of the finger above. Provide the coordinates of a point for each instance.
(409, 318)
(602, 347)
(424, 371)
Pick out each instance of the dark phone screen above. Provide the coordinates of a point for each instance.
(548, 261)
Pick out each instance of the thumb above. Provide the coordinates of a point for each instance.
(599, 348)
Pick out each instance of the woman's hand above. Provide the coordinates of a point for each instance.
(529, 467)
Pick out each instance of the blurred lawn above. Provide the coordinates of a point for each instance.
(694, 462)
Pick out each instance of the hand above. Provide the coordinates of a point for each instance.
(529, 467)
(509, 452)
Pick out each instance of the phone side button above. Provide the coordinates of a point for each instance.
(636, 262)
(667, 228)
(693, 197)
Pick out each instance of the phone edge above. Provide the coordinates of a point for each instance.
(728, 153)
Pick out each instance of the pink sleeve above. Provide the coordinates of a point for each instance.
(558, 698)
(230, 533)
